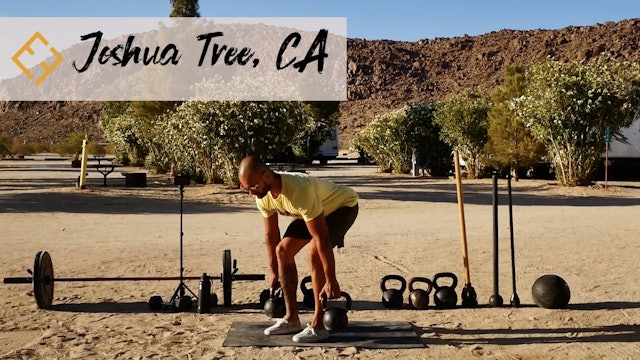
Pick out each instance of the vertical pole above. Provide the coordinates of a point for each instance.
(182, 292)
(495, 233)
(515, 299)
(463, 231)
(606, 166)
(83, 165)
(495, 300)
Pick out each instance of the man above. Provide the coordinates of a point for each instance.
(324, 212)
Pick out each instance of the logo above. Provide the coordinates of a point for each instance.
(48, 68)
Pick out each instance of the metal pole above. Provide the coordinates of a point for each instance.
(515, 299)
(606, 166)
(129, 278)
(495, 234)
(236, 277)
(182, 292)
(495, 300)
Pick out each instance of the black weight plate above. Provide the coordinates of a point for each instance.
(226, 277)
(43, 280)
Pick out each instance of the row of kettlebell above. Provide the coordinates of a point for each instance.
(444, 297)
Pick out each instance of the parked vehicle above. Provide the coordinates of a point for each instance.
(328, 150)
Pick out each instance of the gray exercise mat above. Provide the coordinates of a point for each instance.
(360, 334)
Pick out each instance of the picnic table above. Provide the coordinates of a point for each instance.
(105, 166)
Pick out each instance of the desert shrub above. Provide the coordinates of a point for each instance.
(71, 146)
(569, 105)
(22, 149)
(93, 148)
(6, 142)
(40, 148)
(391, 139)
(463, 119)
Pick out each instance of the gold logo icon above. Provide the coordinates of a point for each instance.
(48, 68)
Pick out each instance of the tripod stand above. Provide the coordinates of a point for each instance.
(179, 293)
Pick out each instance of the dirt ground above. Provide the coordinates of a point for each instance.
(407, 226)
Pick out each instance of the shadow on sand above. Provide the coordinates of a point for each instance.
(441, 191)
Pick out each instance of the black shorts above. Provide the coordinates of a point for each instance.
(338, 222)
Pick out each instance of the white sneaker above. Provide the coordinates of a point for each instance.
(282, 327)
(310, 335)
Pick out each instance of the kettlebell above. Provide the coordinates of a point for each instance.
(275, 307)
(308, 300)
(264, 297)
(419, 298)
(392, 298)
(155, 303)
(335, 318)
(445, 297)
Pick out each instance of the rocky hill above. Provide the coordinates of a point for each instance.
(384, 75)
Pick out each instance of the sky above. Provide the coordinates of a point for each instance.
(404, 20)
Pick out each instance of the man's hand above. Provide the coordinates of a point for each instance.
(331, 289)
(273, 281)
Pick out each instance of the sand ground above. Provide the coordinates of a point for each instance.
(407, 226)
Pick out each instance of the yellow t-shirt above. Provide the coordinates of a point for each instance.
(306, 197)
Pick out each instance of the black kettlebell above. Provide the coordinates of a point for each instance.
(155, 302)
(335, 318)
(182, 303)
(308, 300)
(264, 297)
(419, 298)
(445, 297)
(392, 298)
(275, 307)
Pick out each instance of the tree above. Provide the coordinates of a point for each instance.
(511, 144)
(423, 135)
(382, 139)
(210, 138)
(569, 105)
(6, 143)
(184, 8)
(142, 121)
(122, 129)
(464, 124)
(391, 138)
(325, 118)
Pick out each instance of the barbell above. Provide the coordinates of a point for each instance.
(43, 279)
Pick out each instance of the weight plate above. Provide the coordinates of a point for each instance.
(226, 277)
(43, 280)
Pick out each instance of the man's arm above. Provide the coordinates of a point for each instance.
(272, 238)
(320, 233)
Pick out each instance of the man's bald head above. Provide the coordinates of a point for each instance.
(249, 167)
(254, 176)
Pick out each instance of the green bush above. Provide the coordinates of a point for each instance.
(40, 148)
(22, 149)
(72, 146)
(568, 106)
(464, 122)
(391, 139)
(383, 140)
(6, 142)
(96, 149)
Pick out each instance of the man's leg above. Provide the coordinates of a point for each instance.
(339, 222)
(286, 251)
(317, 282)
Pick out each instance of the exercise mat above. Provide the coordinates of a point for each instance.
(360, 334)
